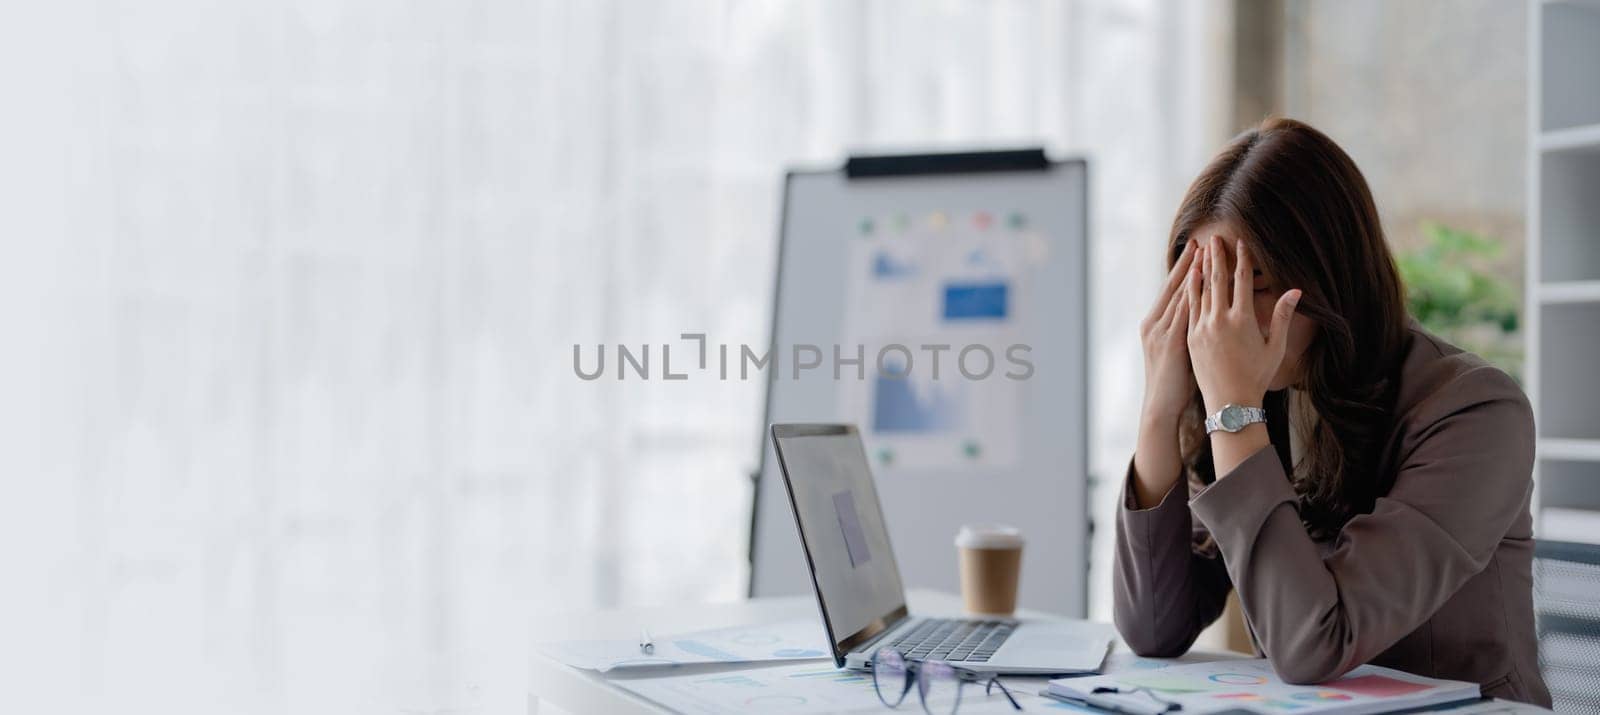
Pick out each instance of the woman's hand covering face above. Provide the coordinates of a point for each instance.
(1233, 362)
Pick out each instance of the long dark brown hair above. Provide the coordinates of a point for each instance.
(1308, 218)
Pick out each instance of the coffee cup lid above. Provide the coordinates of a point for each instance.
(989, 536)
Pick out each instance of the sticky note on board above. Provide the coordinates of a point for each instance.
(976, 301)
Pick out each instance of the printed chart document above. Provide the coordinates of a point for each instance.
(789, 640)
(1251, 685)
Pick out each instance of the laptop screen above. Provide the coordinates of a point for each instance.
(842, 529)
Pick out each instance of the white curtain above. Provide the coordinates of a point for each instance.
(293, 289)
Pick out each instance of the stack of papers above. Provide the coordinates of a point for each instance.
(1252, 685)
(790, 640)
(805, 689)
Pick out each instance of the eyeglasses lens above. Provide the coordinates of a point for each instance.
(940, 687)
(889, 676)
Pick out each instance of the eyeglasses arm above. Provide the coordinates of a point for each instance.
(995, 680)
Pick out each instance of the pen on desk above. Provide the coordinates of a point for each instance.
(1093, 703)
(1079, 702)
(646, 644)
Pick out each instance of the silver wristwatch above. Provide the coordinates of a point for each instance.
(1232, 418)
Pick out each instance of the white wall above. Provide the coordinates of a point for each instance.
(1432, 106)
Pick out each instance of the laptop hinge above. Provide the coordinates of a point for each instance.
(871, 645)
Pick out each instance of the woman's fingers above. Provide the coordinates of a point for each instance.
(1179, 269)
(1169, 290)
(1172, 293)
(1196, 299)
(1282, 313)
(1217, 288)
(1243, 279)
(1175, 315)
(1171, 309)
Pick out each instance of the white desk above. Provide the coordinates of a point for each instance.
(557, 689)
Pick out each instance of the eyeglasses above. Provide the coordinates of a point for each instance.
(893, 676)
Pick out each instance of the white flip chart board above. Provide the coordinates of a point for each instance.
(960, 282)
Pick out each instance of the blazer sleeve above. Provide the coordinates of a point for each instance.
(1464, 481)
(1165, 588)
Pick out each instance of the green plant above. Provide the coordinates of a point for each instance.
(1452, 290)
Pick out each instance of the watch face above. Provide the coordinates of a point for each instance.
(1232, 418)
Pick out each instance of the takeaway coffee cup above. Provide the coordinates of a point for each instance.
(991, 565)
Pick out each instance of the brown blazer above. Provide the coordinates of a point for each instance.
(1437, 580)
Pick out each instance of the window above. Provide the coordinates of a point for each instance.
(312, 273)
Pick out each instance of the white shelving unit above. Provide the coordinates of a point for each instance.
(1563, 309)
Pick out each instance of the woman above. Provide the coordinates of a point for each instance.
(1376, 508)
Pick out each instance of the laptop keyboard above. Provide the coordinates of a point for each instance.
(954, 640)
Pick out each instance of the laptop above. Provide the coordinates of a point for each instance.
(858, 584)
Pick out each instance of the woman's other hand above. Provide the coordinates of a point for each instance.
(1168, 386)
(1168, 379)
